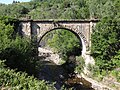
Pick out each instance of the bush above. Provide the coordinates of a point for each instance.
(80, 64)
(9, 79)
(17, 51)
(106, 43)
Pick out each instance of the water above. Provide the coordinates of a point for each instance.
(56, 73)
(63, 74)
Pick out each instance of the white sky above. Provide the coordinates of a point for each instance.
(10, 1)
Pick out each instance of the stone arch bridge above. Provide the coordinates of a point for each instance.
(81, 28)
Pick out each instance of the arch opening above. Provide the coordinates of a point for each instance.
(76, 52)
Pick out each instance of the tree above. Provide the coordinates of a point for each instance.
(106, 42)
(65, 43)
(18, 52)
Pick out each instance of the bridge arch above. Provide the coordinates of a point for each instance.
(79, 35)
(37, 29)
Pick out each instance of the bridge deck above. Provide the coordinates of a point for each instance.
(59, 20)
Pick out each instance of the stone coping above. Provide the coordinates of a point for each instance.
(59, 20)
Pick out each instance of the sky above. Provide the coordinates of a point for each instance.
(10, 1)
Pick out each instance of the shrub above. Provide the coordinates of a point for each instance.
(80, 64)
(9, 79)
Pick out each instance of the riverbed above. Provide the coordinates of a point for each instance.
(51, 72)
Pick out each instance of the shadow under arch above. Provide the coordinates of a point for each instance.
(79, 35)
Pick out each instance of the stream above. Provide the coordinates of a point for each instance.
(56, 73)
(62, 76)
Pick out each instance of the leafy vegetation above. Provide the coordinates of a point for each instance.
(19, 52)
(106, 42)
(61, 9)
(65, 43)
(66, 9)
(9, 79)
(80, 63)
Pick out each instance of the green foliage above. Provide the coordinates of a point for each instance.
(9, 79)
(96, 73)
(101, 8)
(116, 60)
(61, 9)
(47, 9)
(65, 43)
(13, 10)
(116, 74)
(80, 64)
(18, 52)
(106, 43)
(6, 32)
(105, 38)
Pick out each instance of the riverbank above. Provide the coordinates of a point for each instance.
(108, 83)
(95, 84)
